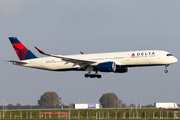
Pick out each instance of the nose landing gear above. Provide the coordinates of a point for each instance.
(166, 71)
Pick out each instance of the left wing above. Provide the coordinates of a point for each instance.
(76, 61)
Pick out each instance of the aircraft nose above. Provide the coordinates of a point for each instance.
(175, 60)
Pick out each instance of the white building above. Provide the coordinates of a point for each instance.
(166, 105)
(87, 106)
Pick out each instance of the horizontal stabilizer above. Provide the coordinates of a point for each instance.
(16, 62)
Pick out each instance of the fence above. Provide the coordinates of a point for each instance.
(150, 113)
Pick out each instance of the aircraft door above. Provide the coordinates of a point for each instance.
(127, 57)
(158, 55)
(42, 62)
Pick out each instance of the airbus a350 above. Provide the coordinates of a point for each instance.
(116, 62)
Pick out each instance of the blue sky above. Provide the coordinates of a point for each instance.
(68, 27)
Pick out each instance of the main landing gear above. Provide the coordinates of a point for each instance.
(92, 75)
(166, 71)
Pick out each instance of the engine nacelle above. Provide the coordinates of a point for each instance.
(107, 67)
(121, 70)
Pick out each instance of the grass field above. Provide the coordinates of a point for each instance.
(106, 114)
(95, 119)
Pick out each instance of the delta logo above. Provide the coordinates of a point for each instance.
(143, 54)
(133, 55)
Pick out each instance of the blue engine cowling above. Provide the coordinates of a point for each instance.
(107, 67)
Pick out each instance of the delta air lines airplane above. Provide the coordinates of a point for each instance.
(117, 62)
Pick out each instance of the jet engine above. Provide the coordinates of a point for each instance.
(107, 67)
(121, 70)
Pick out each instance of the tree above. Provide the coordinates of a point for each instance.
(119, 103)
(149, 105)
(124, 105)
(10, 105)
(71, 105)
(18, 104)
(49, 99)
(132, 105)
(110, 100)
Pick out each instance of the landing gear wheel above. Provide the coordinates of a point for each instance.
(98, 76)
(92, 76)
(86, 75)
(166, 71)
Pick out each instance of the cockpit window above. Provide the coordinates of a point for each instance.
(169, 55)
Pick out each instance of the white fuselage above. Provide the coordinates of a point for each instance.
(123, 59)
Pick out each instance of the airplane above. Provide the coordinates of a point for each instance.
(116, 62)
